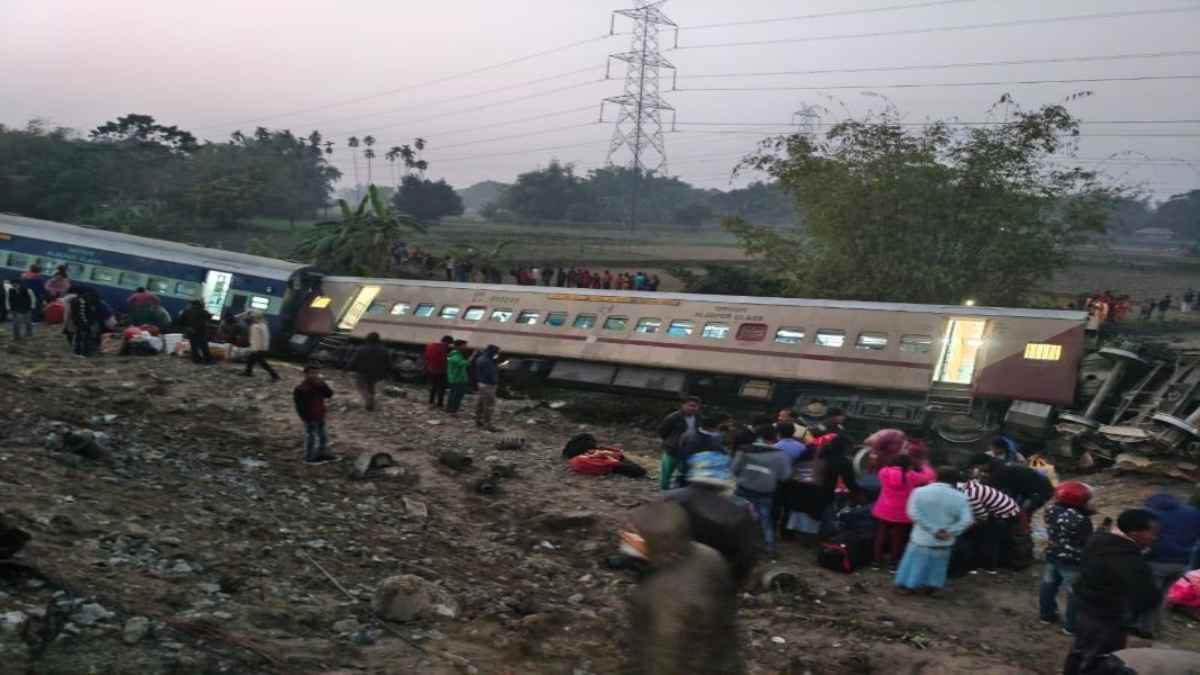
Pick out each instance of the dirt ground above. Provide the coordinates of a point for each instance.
(196, 541)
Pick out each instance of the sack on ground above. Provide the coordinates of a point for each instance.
(598, 462)
(846, 552)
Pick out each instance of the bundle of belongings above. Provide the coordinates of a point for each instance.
(587, 457)
(141, 341)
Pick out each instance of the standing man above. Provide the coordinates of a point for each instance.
(309, 397)
(260, 346)
(457, 376)
(1069, 526)
(995, 520)
(487, 376)
(142, 306)
(371, 363)
(35, 282)
(672, 430)
(435, 369)
(195, 321)
(21, 302)
(1114, 582)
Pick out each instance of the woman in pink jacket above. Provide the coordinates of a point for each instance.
(892, 524)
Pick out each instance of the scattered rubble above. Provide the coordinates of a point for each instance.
(407, 597)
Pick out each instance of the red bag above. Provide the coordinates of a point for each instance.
(598, 462)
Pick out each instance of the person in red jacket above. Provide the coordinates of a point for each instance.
(309, 397)
(435, 369)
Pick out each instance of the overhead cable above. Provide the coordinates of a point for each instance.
(930, 85)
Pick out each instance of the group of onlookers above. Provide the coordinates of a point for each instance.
(451, 366)
(581, 277)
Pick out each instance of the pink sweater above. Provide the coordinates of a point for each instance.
(896, 487)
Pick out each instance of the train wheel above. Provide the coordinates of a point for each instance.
(959, 429)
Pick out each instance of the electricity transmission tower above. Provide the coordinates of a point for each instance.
(639, 124)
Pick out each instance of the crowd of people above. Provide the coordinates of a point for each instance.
(582, 277)
(1108, 307)
(732, 490)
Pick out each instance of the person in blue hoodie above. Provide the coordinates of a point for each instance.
(759, 468)
(1171, 552)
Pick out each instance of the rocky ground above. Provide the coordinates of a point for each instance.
(175, 530)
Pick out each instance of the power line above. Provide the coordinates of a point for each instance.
(426, 83)
(926, 124)
(944, 66)
(826, 15)
(538, 132)
(527, 151)
(927, 85)
(960, 27)
(459, 97)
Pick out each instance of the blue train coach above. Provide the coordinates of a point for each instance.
(115, 264)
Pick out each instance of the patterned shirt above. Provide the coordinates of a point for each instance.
(1069, 530)
(988, 502)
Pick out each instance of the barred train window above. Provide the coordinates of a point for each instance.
(584, 321)
(263, 304)
(450, 312)
(681, 328)
(502, 315)
(648, 325)
(556, 319)
(377, 308)
(1035, 351)
(398, 309)
(827, 337)
(475, 313)
(916, 344)
(871, 342)
(715, 331)
(528, 317)
(615, 323)
(789, 336)
(424, 309)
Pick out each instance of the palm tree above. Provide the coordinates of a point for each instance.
(392, 155)
(361, 242)
(369, 154)
(353, 143)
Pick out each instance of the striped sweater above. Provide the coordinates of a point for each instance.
(988, 502)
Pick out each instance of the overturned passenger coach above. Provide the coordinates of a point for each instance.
(895, 363)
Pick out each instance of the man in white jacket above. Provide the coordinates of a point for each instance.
(260, 345)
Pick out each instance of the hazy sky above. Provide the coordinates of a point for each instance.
(219, 65)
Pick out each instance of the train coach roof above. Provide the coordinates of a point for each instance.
(158, 249)
(956, 310)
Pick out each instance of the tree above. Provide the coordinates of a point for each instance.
(361, 242)
(426, 200)
(692, 215)
(1180, 214)
(353, 143)
(545, 194)
(929, 214)
(391, 156)
(369, 153)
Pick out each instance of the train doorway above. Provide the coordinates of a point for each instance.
(216, 291)
(358, 307)
(960, 351)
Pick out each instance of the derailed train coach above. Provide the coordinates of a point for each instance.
(115, 264)
(902, 364)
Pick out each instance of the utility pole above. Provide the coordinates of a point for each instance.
(639, 124)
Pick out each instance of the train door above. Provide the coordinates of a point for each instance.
(960, 351)
(363, 298)
(217, 286)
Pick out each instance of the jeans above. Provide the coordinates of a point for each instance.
(22, 320)
(85, 340)
(437, 389)
(1094, 638)
(199, 347)
(458, 390)
(762, 512)
(485, 405)
(1056, 575)
(316, 441)
(260, 358)
(366, 389)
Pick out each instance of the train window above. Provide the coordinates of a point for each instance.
(789, 336)
(502, 315)
(1035, 351)
(377, 308)
(104, 276)
(584, 321)
(475, 313)
(871, 342)
(827, 337)
(715, 331)
(74, 270)
(399, 309)
(187, 289)
(916, 344)
(158, 285)
(424, 309)
(647, 326)
(529, 317)
(262, 304)
(46, 264)
(131, 280)
(615, 323)
(556, 319)
(18, 261)
(681, 328)
(321, 302)
(450, 312)
(752, 332)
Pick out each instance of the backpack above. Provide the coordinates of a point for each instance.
(579, 444)
(855, 519)
(847, 551)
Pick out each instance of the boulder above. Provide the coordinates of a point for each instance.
(455, 460)
(135, 630)
(408, 598)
